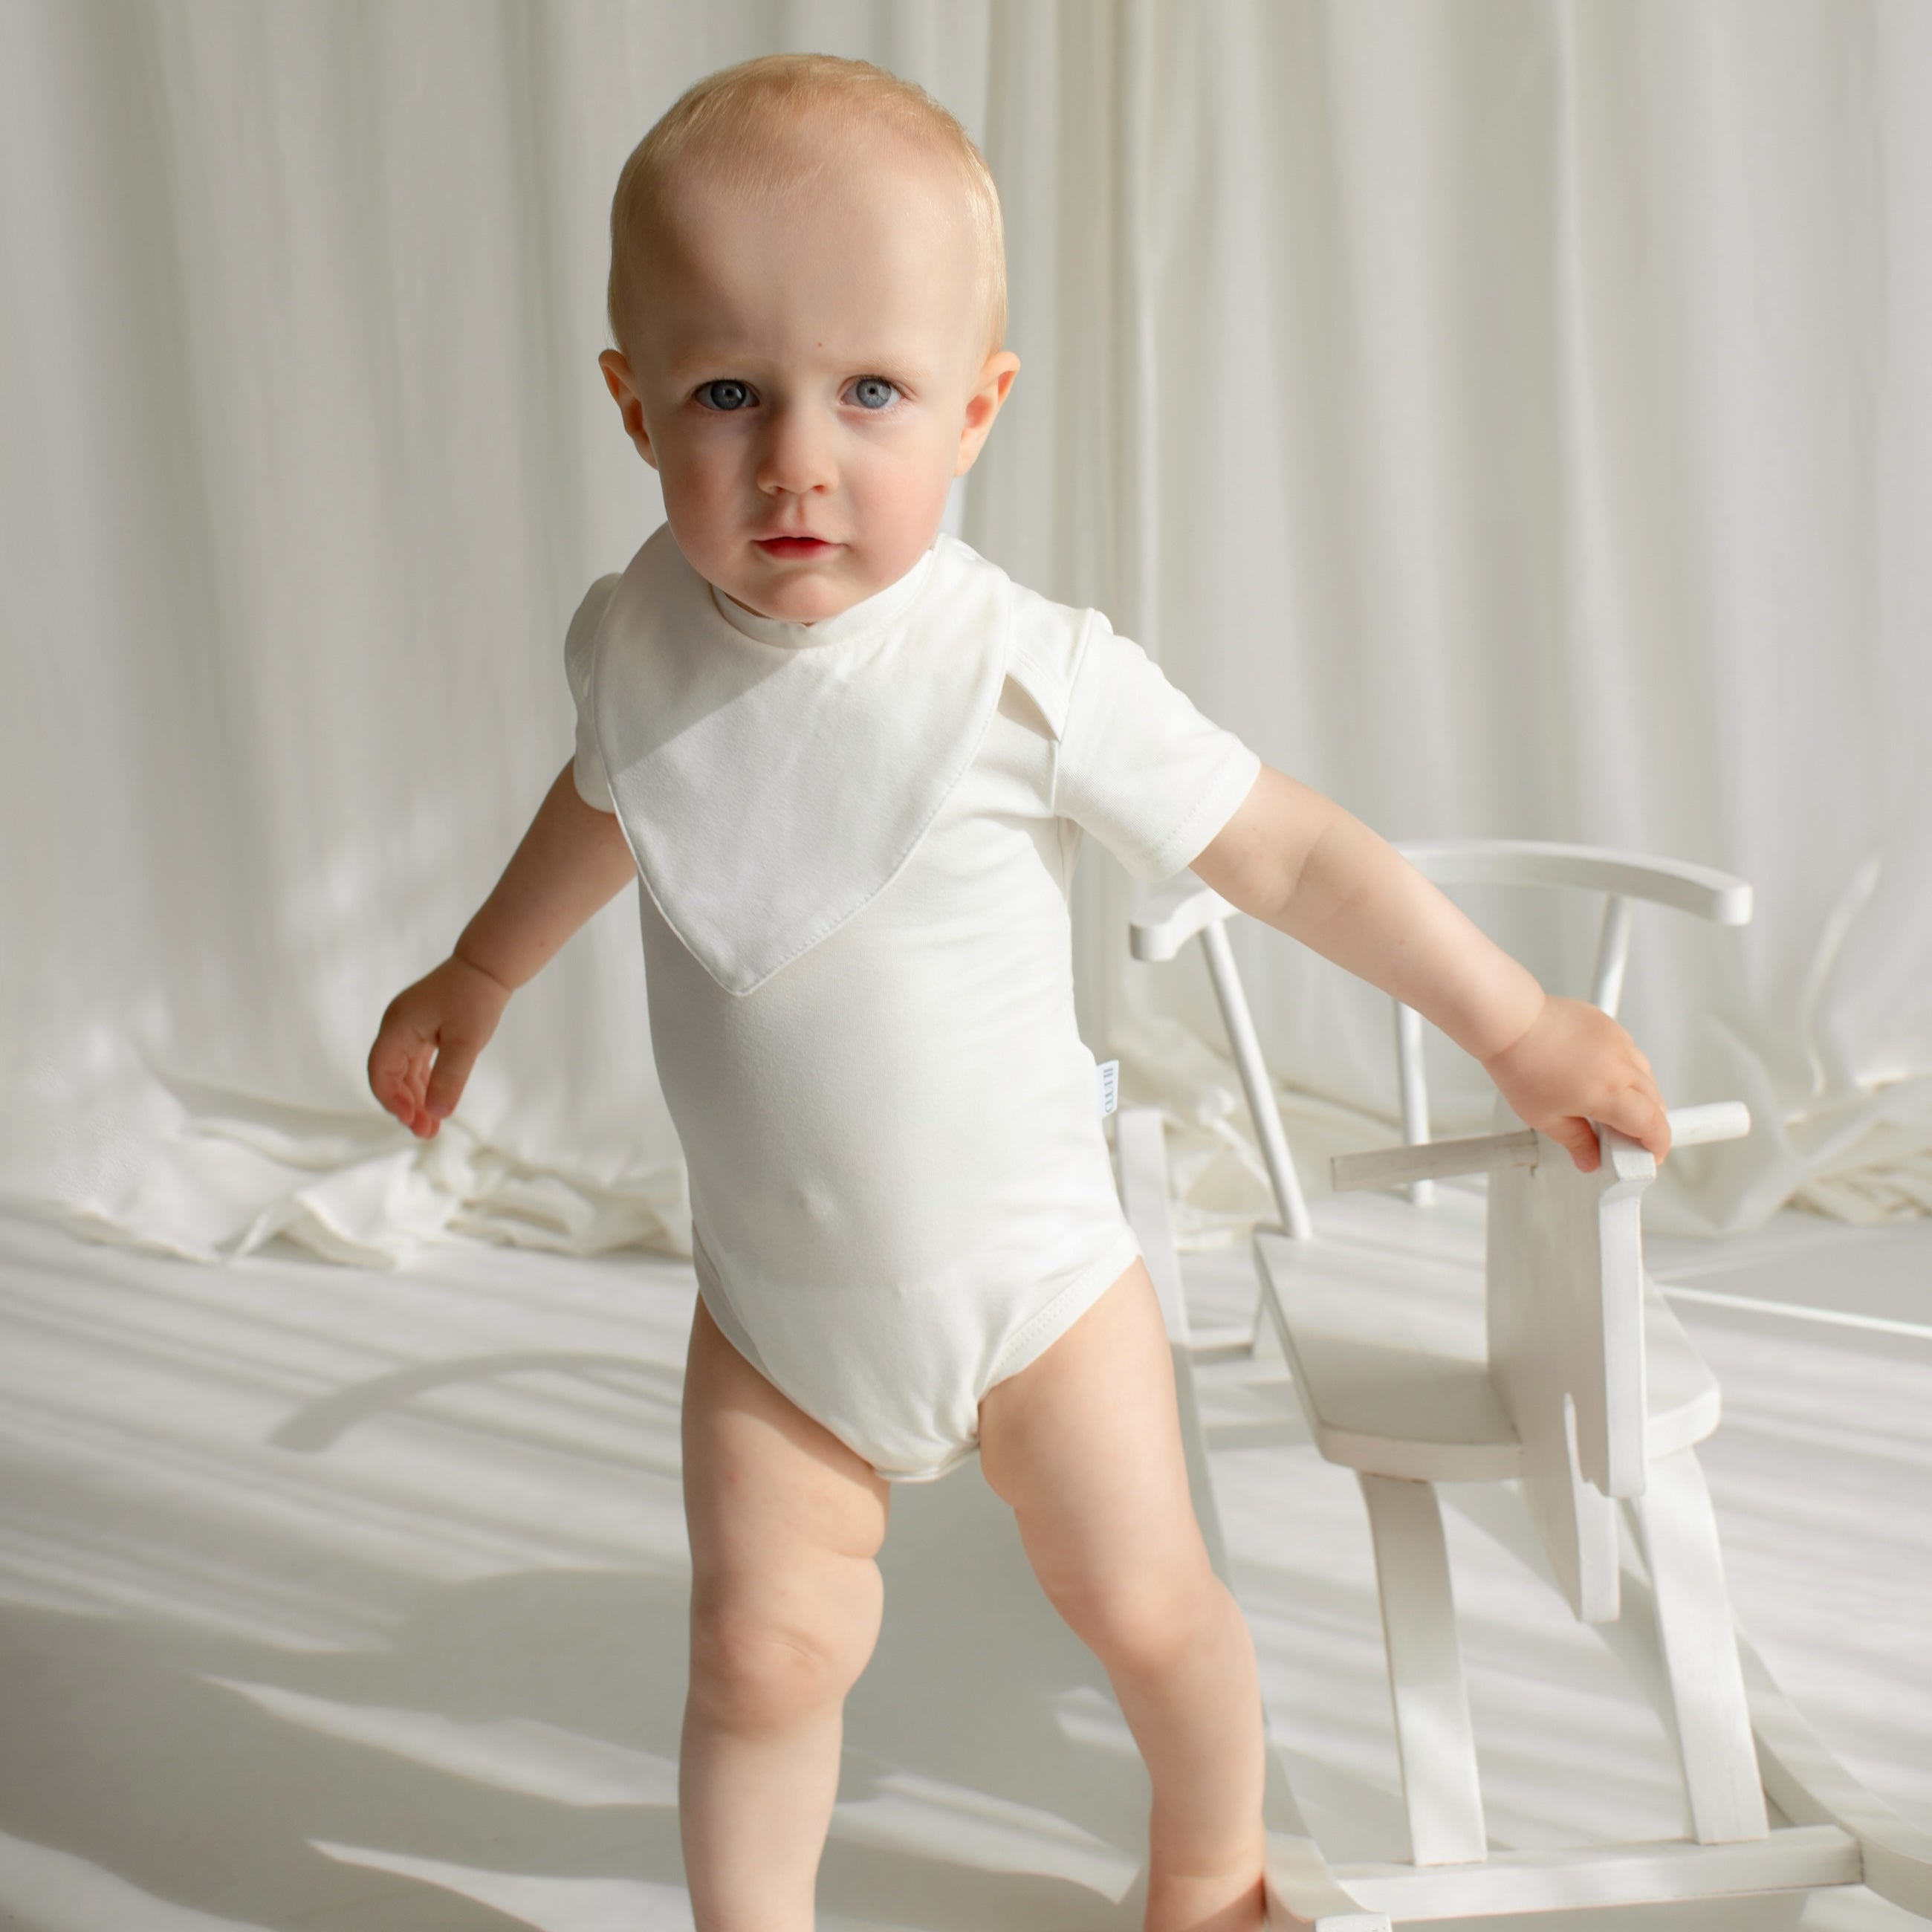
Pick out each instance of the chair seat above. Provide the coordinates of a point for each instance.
(1382, 1318)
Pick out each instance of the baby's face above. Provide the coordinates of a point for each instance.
(811, 376)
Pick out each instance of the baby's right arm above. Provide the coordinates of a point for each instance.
(572, 861)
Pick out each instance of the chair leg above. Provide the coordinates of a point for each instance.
(1433, 1734)
(1810, 1785)
(1576, 1522)
(1303, 1890)
(1678, 1531)
(1140, 1140)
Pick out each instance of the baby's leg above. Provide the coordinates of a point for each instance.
(784, 1521)
(1085, 1443)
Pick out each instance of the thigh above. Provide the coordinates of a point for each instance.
(783, 1519)
(1084, 1443)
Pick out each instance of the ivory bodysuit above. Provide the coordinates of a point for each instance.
(856, 839)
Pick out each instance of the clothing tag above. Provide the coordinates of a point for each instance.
(1107, 1074)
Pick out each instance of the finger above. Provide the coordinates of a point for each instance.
(1579, 1138)
(398, 1074)
(416, 1083)
(389, 1075)
(1639, 1111)
(421, 1061)
(449, 1077)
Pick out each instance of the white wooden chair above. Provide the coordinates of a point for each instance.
(1556, 1364)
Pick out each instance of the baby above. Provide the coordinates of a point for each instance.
(852, 762)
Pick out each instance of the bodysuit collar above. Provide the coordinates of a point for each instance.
(869, 615)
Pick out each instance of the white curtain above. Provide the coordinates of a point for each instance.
(1515, 418)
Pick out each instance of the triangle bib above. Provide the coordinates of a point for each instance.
(772, 785)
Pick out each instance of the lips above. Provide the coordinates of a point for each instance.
(799, 547)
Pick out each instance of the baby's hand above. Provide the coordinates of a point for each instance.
(1576, 1065)
(428, 1041)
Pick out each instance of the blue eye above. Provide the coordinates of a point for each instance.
(874, 392)
(726, 394)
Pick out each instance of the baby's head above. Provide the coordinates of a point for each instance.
(808, 291)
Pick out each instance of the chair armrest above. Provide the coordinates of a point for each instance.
(1715, 1120)
(1171, 913)
(1485, 1153)
(1701, 890)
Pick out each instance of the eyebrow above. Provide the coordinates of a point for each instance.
(687, 365)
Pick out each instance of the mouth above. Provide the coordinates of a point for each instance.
(795, 547)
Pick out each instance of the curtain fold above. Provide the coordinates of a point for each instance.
(1515, 419)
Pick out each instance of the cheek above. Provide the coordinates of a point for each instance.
(699, 478)
(906, 480)
(694, 460)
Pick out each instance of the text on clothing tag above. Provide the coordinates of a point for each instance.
(1107, 1073)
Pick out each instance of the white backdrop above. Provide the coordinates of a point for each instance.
(1514, 418)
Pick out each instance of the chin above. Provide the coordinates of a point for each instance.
(790, 603)
(823, 602)
(803, 596)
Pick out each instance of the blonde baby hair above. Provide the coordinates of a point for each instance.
(729, 120)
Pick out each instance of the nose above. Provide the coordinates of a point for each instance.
(797, 457)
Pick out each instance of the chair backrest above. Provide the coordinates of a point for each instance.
(1622, 878)
(1182, 908)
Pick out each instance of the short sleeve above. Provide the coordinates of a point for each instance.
(1139, 767)
(588, 767)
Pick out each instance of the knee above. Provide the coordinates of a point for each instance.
(754, 1671)
(1145, 1628)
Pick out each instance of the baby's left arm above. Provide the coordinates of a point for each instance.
(1297, 860)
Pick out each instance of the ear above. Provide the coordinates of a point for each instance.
(995, 378)
(617, 379)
